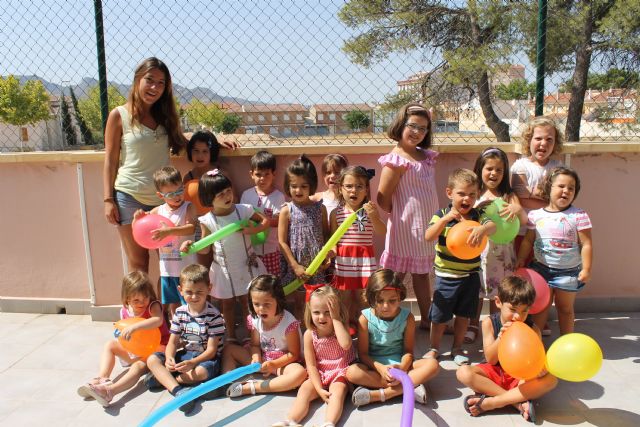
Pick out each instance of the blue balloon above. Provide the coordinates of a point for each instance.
(196, 392)
(408, 404)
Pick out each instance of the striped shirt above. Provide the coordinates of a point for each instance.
(361, 231)
(195, 330)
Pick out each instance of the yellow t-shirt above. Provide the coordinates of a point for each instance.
(142, 152)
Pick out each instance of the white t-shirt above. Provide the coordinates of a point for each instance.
(171, 263)
(557, 244)
(270, 205)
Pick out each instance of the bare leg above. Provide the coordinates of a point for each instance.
(233, 356)
(437, 330)
(422, 289)
(194, 376)
(137, 256)
(129, 379)
(229, 314)
(292, 376)
(564, 306)
(459, 329)
(108, 358)
(300, 408)
(338, 392)
(540, 319)
(161, 373)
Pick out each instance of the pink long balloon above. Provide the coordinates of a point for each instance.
(408, 404)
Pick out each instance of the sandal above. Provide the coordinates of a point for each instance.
(361, 396)
(286, 423)
(235, 389)
(477, 405)
(83, 390)
(101, 394)
(420, 394)
(435, 355)
(531, 413)
(459, 358)
(471, 335)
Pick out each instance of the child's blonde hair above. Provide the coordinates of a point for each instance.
(527, 134)
(194, 273)
(333, 162)
(323, 291)
(462, 176)
(384, 279)
(166, 175)
(136, 282)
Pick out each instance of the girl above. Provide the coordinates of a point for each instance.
(202, 151)
(328, 353)
(540, 140)
(560, 235)
(386, 335)
(498, 260)
(138, 138)
(355, 260)
(235, 263)
(138, 300)
(275, 342)
(332, 165)
(407, 192)
(302, 227)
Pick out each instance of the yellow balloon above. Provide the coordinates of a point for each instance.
(574, 357)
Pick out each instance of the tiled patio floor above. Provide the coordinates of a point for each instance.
(44, 358)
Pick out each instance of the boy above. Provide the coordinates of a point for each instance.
(195, 345)
(267, 199)
(169, 188)
(457, 281)
(515, 296)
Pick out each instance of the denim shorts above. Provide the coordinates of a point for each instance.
(169, 290)
(455, 295)
(212, 366)
(565, 279)
(127, 206)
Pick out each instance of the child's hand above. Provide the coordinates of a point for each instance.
(510, 211)
(483, 204)
(584, 275)
(520, 264)
(267, 369)
(250, 228)
(300, 272)
(334, 307)
(184, 247)
(324, 395)
(371, 209)
(126, 332)
(138, 214)
(170, 364)
(453, 214)
(387, 377)
(515, 318)
(475, 238)
(185, 366)
(161, 233)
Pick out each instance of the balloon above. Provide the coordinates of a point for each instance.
(457, 240)
(261, 237)
(196, 392)
(520, 352)
(215, 236)
(506, 231)
(143, 342)
(320, 257)
(574, 357)
(191, 195)
(408, 404)
(543, 293)
(143, 227)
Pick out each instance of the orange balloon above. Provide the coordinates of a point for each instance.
(143, 342)
(520, 352)
(457, 240)
(191, 195)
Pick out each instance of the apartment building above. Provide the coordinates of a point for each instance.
(279, 120)
(333, 117)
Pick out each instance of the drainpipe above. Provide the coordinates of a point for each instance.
(85, 234)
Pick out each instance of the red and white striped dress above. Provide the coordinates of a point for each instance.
(331, 359)
(355, 260)
(413, 204)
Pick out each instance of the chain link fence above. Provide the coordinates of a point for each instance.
(318, 72)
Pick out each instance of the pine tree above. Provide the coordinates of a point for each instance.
(85, 132)
(67, 125)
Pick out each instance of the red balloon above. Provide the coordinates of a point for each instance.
(143, 342)
(143, 227)
(543, 294)
(191, 195)
(457, 240)
(520, 352)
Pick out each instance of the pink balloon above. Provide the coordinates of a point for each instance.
(543, 294)
(143, 227)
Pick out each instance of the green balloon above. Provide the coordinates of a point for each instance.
(506, 231)
(261, 237)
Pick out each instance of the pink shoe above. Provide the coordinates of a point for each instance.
(83, 390)
(101, 393)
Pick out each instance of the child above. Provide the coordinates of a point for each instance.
(332, 165)
(195, 346)
(138, 300)
(302, 229)
(386, 334)
(202, 151)
(235, 263)
(269, 200)
(407, 192)
(495, 387)
(497, 260)
(560, 235)
(275, 342)
(328, 353)
(181, 213)
(457, 281)
(355, 260)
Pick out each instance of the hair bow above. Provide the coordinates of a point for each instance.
(371, 173)
(213, 172)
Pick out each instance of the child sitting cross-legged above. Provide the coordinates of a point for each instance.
(493, 386)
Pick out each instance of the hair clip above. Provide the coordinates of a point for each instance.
(416, 108)
(213, 172)
(491, 151)
(389, 288)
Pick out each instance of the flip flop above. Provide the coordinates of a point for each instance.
(478, 404)
(471, 335)
(459, 358)
(532, 411)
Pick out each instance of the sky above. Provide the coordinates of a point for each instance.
(271, 51)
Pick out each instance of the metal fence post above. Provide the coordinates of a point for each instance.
(540, 56)
(102, 64)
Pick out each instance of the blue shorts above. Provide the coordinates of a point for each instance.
(127, 205)
(212, 366)
(565, 279)
(455, 295)
(169, 290)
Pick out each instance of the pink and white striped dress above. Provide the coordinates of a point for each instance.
(355, 260)
(413, 203)
(331, 359)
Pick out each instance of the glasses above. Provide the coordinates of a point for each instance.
(351, 187)
(415, 128)
(173, 194)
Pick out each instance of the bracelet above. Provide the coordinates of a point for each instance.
(108, 199)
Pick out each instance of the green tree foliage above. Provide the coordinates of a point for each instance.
(517, 89)
(207, 115)
(475, 40)
(357, 120)
(23, 104)
(90, 107)
(230, 123)
(67, 125)
(614, 78)
(85, 132)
